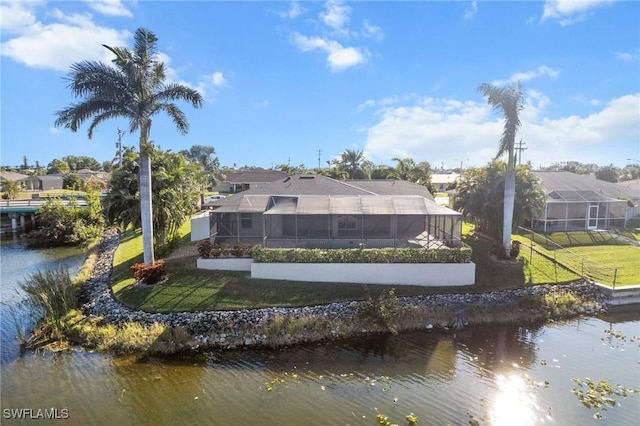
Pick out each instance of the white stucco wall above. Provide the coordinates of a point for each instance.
(420, 274)
(225, 264)
(200, 225)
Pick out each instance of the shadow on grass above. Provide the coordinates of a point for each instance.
(190, 289)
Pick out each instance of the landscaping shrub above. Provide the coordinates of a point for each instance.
(385, 311)
(204, 249)
(148, 274)
(385, 255)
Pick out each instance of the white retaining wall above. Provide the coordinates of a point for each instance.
(226, 264)
(420, 274)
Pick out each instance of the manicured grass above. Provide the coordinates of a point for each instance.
(190, 289)
(533, 268)
(26, 195)
(595, 255)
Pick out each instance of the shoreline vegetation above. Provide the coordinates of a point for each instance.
(101, 322)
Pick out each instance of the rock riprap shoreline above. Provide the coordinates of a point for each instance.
(223, 329)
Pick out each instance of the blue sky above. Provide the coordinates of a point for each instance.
(282, 80)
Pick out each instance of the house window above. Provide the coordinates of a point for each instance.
(245, 220)
(347, 222)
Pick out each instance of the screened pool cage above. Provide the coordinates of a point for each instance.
(580, 210)
(338, 222)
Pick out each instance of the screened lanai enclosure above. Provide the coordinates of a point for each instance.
(363, 221)
(580, 210)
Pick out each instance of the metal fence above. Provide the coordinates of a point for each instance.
(563, 257)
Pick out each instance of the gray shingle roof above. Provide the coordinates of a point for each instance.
(12, 176)
(318, 185)
(255, 176)
(567, 181)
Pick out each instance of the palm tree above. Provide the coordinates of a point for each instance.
(351, 161)
(508, 100)
(133, 87)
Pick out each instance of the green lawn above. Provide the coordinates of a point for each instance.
(191, 289)
(596, 255)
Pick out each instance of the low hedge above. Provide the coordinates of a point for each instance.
(384, 255)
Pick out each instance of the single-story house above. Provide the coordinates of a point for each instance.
(11, 177)
(441, 181)
(241, 181)
(582, 202)
(89, 174)
(42, 183)
(316, 211)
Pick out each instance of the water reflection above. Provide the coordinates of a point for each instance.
(514, 402)
(514, 375)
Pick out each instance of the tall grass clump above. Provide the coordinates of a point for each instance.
(50, 295)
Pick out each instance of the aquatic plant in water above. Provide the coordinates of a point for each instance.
(598, 394)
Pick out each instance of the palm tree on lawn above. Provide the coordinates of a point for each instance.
(508, 100)
(133, 87)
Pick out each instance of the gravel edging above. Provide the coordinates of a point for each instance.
(230, 329)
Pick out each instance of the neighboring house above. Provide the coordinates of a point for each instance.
(89, 174)
(635, 185)
(315, 211)
(441, 181)
(42, 183)
(11, 177)
(241, 181)
(581, 202)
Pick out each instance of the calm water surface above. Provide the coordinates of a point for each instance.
(515, 375)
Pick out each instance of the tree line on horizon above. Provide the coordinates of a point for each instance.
(133, 87)
(349, 160)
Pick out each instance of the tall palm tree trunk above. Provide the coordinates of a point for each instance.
(146, 215)
(509, 201)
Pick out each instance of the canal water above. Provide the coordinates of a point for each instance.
(498, 375)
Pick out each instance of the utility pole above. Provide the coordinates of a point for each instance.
(319, 152)
(119, 146)
(520, 149)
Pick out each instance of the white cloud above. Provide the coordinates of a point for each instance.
(218, 79)
(471, 10)
(109, 7)
(336, 16)
(209, 85)
(339, 57)
(262, 104)
(334, 25)
(16, 16)
(372, 31)
(54, 130)
(541, 71)
(57, 45)
(294, 11)
(440, 130)
(627, 56)
(568, 12)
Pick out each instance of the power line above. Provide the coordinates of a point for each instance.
(520, 148)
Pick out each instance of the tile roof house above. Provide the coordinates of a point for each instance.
(317, 211)
(582, 202)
